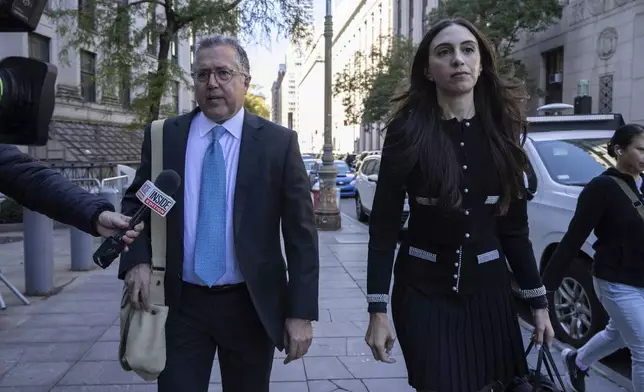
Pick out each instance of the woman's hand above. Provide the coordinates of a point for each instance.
(380, 337)
(543, 331)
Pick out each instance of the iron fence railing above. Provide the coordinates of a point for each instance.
(119, 183)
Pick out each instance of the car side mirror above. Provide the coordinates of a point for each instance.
(372, 177)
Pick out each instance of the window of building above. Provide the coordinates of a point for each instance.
(425, 13)
(399, 17)
(411, 18)
(191, 42)
(125, 90)
(554, 63)
(86, 14)
(175, 96)
(605, 93)
(88, 75)
(39, 47)
(380, 28)
(174, 49)
(151, 34)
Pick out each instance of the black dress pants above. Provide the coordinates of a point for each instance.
(210, 320)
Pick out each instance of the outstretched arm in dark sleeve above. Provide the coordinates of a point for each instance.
(300, 237)
(590, 206)
(44, 190)
(384, 221)
(141, 250)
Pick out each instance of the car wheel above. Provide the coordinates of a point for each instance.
(360, 214)
(575, 311)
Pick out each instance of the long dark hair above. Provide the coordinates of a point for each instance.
(500, 106)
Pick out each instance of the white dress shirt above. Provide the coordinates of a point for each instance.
(199, 139)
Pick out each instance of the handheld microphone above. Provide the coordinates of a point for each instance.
(155, 197)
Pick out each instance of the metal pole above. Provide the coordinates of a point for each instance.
(82, 248)
(113, 196)
(14, 290)
(39, 253)
(328, 213)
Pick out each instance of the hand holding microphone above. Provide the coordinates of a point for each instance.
(111, 223)
(156, 197)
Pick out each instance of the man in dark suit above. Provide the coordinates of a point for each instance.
(226, 279)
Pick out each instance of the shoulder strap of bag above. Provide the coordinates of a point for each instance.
(157, 223)
(637, 203)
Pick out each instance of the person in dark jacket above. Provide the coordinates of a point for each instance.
(454, 146)
(618, 267)
(41, 189)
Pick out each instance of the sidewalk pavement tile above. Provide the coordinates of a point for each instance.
(68, 343)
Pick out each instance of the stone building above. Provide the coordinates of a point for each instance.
(600, 41)
(88, 135)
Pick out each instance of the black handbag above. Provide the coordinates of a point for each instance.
(535, 381)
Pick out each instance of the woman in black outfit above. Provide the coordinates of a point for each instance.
(618, 267)
(454, 146)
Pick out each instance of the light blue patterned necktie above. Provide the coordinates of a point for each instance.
(210, 245)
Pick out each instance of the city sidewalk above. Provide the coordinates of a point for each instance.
(68, 341)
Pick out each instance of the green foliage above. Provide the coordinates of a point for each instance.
(10, 212)
(366, 90)
(369, 83)
(501, 21)
(138, 55)
(256, 103)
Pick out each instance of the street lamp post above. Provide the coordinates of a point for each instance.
(327, 216)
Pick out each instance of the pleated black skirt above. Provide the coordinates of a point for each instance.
(457, 343)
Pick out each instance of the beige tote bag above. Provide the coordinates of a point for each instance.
(142, 344)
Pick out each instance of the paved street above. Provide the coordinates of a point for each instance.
(68, 342)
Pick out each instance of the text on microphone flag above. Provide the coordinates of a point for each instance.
(145, 190)
(159, 202)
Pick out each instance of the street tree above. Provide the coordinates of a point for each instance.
(136, 41)
(501, 21)
(366, 91)
(368, 84)
(255, 103)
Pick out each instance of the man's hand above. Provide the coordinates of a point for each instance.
(110, 223)
(137, 281)
(298, 335)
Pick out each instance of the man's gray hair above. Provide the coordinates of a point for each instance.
(218, 40)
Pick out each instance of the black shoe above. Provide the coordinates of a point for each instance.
(576, 376)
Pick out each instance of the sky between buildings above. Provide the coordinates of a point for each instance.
(266, 58)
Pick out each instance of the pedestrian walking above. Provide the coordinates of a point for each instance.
(611, 206)
(453, 145)
(226, 279)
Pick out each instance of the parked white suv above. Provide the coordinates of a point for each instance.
(366, 182)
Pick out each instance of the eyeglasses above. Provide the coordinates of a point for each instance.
(222, 75)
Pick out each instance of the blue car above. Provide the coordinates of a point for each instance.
(345, 181)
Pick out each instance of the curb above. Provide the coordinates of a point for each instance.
(598, 367)
(354, 221)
